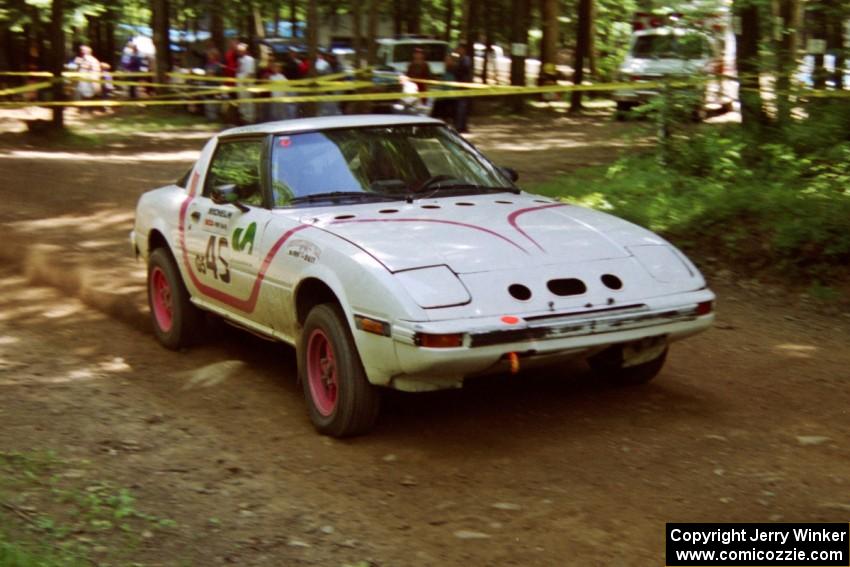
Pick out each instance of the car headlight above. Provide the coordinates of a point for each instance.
(662, 262)
(435, 286)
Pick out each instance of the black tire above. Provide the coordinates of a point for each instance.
(609, 365)
(186, 319)
(356, 401)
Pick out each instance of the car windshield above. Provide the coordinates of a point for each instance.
(387, 161)
(671, 46)
(435, 52)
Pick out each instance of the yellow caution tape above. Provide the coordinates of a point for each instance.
(382, 96)
(27, 88)
(26, 74)
(308, 94)
(304, 81)
(269, 87)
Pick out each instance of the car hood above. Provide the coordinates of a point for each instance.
(481, 233)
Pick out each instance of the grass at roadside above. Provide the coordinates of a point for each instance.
(785, 211)
(58, 513)
(119, 129)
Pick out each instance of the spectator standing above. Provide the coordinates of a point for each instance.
(246, 70)
(303, 66)
(334, 62)
(323, 67)
(213, 68)
(463, 74)
(132, 62)
(107, 87)
(291, 68)
(231, 59)
(409, 102)
(89, 68)
(419, 69)
(444, 108)
(279, 110)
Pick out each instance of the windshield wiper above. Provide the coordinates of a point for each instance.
(335, 195)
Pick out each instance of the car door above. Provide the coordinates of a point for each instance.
(224, 240)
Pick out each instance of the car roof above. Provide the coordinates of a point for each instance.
(328, 123)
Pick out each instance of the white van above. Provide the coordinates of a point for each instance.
(398, 53)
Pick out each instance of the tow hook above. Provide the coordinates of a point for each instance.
(513, 361)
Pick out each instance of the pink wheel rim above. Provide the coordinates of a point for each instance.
(161, 299)
(322, 372)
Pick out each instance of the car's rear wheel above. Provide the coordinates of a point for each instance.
(176, 322)
(611, 366)
(340, 400)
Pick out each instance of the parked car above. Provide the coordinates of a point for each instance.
(669, 53)
(397, 53)
(393, 254)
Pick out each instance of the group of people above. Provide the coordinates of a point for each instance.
(458, 69)
(94, 78)
(239, 64)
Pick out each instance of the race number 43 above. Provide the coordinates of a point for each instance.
(214, 260)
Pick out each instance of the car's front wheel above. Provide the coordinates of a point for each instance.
(176, 322)
(610, 364)
(340, 400)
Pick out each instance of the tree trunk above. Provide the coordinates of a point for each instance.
(549, 41)
(372, 33)
(57, 48)
(591, 41)
(836, 17)
(818, 30)
(519, 38)
(217, 26)
(293, 18)
(471, 30)
(160, 25)
(357, 31)
(251, 28)
(488, 45)
(276, 17)
(110, 45)
(583, 26)
(312, 34)
(786, 50)
(747, 54)
(449, 17)
(397, 17)
(413, 9)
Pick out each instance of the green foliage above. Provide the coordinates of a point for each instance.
(613, 30)
(55, 515)
(781, 205)
(16, 554)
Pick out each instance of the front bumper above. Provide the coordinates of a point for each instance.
(550, 337)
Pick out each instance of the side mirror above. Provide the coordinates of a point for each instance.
(510, 173)
(227, 195)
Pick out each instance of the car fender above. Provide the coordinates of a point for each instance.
(363, 287)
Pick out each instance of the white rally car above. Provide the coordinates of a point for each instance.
(393, 254)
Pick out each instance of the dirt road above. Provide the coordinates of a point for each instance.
(748, 422)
